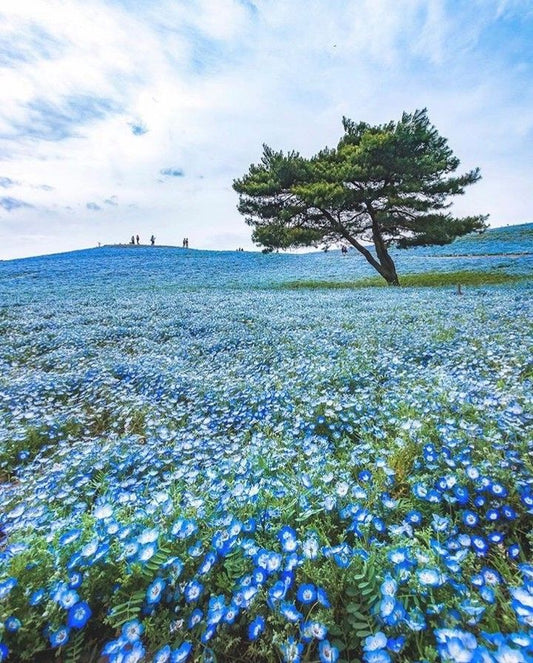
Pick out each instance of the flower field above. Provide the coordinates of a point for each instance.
(197, 464)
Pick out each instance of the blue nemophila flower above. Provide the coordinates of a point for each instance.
(135, 654)
(216, 609)
(508, 512)
(192, 591)
(389, 586)
(146, 552)
(6, 586)
(131, 549)
(207, 563)
(306, 593)
(522, 604)
(470, 518)
(479, 545)
(4, 652)
(314, 630)
(256, 627)
(155, 591)
(195, 617)
(184, 528)
(12, 624)
(90, 548)
(487, 594)
(415, 620)
(430, 577)
(174, 565)
(291, 650)
(461, 494)
(36, 597)
(59, 637)
(473, 609)
(440, 523)
(79, 615)
(479, 500)
(75, 579)
(67, 598)
(327, 652)
(378, 656)
(103, 511)
(208, 633)
(455, 645)
(162, 655)
(396, 644)
(223, 542)
(414, 517)
(149, 535)
(472, 472)
(277, 591)
(132, 630)
(498, 490)
(273, 562)
(322, 597)
(101, 552)
(231, 613)
(290, 612)
(259, 576)
(496, 537)
(491, 576)
(375, 642)
(506, 654)
(288, 539)
(69, 537)
(387, 606)
(292, 560)
(420, 490)
(310, 548)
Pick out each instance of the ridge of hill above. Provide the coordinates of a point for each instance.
(505, 240)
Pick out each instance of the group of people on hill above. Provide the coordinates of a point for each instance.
(135, 239)
(185, 242)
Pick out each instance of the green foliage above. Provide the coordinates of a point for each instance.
(422, 280)
(386, 184)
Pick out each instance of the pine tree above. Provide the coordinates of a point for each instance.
(386, 185)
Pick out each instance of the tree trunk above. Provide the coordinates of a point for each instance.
(385, 266)
(392, 278)
(385, 261)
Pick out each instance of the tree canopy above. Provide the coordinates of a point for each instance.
(387, 185)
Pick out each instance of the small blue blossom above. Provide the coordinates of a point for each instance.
(59, 637)
(12, 624)
(256, 627)
(132, 630)
(155, 591)
(327, 652)
(291, 651)
(306, 593)
(78, 615)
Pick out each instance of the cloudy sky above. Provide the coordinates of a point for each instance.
(121, 117)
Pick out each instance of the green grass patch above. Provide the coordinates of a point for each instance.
(425, 279)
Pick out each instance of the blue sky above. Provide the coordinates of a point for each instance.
(134, 116)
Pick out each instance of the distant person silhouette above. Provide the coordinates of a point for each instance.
(132, 240)
(137, 238)
(152, 240)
